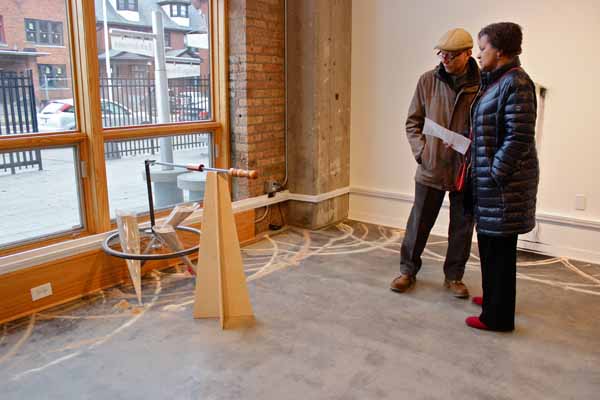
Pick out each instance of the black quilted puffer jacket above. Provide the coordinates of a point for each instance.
(505, 170)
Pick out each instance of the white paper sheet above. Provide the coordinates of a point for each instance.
(455, 140)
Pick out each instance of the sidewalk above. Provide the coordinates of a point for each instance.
(40, 203)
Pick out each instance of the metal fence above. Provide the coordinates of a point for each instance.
(18, 115)
(132, 101)
(126, 148)
(17, 103)
(16, 160)
(124, 101)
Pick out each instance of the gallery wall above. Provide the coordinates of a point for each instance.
(392, 45)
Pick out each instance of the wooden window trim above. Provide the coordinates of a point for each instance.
(90, 136)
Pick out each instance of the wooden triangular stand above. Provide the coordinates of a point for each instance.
(221, 289)
(129, 237)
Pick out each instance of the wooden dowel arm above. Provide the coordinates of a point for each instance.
(243, 173)
(195, 167)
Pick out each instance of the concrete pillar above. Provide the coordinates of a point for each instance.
(318, 91)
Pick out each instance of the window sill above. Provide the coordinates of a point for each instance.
(78, 246)
(61, 250)
(52, 46)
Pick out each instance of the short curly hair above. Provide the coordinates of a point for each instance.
(504, 36)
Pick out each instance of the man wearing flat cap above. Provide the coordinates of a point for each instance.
(443, 95)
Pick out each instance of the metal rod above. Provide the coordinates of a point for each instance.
(201, 167)
(149, 186)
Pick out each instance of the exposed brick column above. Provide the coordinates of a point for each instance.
(256, 73)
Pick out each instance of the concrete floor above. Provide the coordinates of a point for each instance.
(327, 328)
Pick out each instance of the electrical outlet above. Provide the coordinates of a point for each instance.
(39, 292)
(272, 187)
(580, 202)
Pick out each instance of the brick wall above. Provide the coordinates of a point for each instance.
(256, 73)
(14, 13)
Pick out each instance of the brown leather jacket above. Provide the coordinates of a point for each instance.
(437, 99)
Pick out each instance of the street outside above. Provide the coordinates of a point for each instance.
(41, 203)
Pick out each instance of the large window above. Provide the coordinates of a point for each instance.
(186, 96)
(63, 173)
(127, 189)
(44, 32)
(41, 187)
(127, 5)
(33, 81)
(53, 76)
(40, 193)
(179, 10)
(139, 71)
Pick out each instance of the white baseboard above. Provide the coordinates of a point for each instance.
(68, 248)
(555, 235)
(377, 219)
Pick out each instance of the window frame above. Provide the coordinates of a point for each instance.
(127, 5)
(90, 135)
(138, 71)
(49, 31)
(54, 73)
(2, 32)
(179, 10)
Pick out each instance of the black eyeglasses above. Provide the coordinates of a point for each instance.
(449, 55)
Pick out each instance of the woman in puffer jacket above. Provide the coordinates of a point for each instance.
(504, 170)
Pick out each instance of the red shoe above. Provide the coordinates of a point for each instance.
(474, 322)
(477, 300)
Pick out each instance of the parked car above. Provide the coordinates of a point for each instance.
(59, 115)
(184, 98)
(115, 114)
(194, 111)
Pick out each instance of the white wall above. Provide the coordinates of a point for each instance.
(392, 44)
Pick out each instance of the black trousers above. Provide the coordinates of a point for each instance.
(498, 256)
(425, 210)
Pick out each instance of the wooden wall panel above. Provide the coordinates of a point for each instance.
(79, 275)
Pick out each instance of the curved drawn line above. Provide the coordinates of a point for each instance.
(4, 331)
(76, 345)
(573, 268)
(100, 342)
(60, 316)
(21, 341)
(556, 284)
(266, 267)
(43, 367)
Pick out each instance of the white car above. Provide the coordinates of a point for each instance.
(59, 115)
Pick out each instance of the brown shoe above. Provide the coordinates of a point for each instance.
(402, 283)
(458, 288)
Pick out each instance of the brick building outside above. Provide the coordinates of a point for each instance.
(35, 38)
